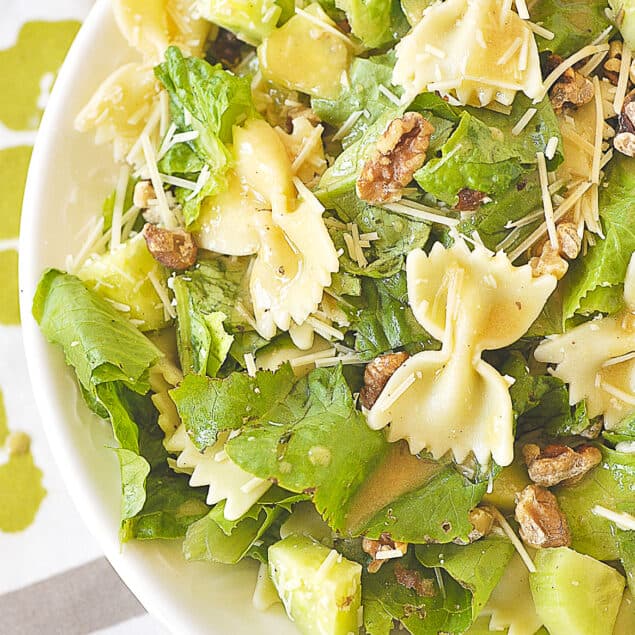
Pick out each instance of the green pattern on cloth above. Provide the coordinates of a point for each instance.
(14, 164)
(40, 50)
(9, 308)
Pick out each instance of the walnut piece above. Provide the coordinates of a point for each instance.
(385, 543)
(611, 66)
(569, 240)
(469, 200)
(143, 194)
(542, 523)
(559, 463)
(175, 249)
(624, 140)
(482, 523)
(550, 262)
(376, 376)
(399, 153)
(572, 89)
(424, 587)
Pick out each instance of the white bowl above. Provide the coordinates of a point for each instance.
(68, 180)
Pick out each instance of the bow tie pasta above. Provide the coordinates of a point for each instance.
(451, 400)
(150, 26)
(475, 51)
(596, 360)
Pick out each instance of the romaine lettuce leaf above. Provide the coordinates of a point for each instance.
(610, 484)
(436, 611)
(604, 265)
(375, 22)
(478, 566)
(208, 100)
(398, 235)
(575, 23)
(308, 437)
(384, 320)
(98, 341)
(626, 543)
(542, 401)
(624, 432)
(362, 95)
(208, 323)
(109, 205)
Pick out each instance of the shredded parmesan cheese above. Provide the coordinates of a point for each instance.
(328, 563)
(521, 9)
(622, 82)
(599, 129)
(565, 65)
(521, 124)
(311, 358)
(509, 532)
(552, 146)
(421, 212)
(162, 201)
(117, 210)
(323, 329)
(623, 520)
(546, 200)
(347, 126)
(162, 293)
(510, 52)
(390, 96)
(250, 364)
(388, 554)
(325, 26)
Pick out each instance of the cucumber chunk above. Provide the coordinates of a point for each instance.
(625, 9)
(121, 276)
(320, 58)
(511, 481)
(320, 589)
(575, 593)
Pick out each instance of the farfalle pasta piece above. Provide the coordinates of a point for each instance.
(475, 51)
(215, 469)
(596, 360)
(293, 266)
(150, 26)
(119, 110)
(451, 400)
(305, 149)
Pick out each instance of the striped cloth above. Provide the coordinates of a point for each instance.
(53, 577)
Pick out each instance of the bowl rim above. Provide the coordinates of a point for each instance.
(89, 508)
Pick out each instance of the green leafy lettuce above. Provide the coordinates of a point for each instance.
(208, 323)
(482, 154)
(575, 23)
(610, 484)
(307, 435)
(384, 320)
(362, 94)
(398, 235)
(603, 268)
(209, 100)
(407, 590)
(374, 22)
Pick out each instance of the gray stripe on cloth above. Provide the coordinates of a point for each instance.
(75, 602)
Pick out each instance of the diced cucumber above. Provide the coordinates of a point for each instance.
(320, 57)
(249, 20)
(510, 482)
(625, 10)
(121, 276)
(320, 589)
(575, 593)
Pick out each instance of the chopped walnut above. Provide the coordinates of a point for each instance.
(424, 587)
(175, 249)
(559, 463)
(385, 543)
(611, 66)
(569, 240)
(399, 153)
(143, 194)
(376, 376)
(550, 262)
(624, 140)
(542, 523)
(572, 89)
(469, 200)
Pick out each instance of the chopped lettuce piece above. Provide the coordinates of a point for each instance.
(623, 432)
(208, 322)
(404, 591)
(384, 320)
(308, 436)
(605, 264)
(374, 22)
(361, 97)
(478, 566)
(610, 484)
(575, 23)
(109, 205)
(626, 543)
(209, 101)
(542, 401)
(98, 341)
(397, 236)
